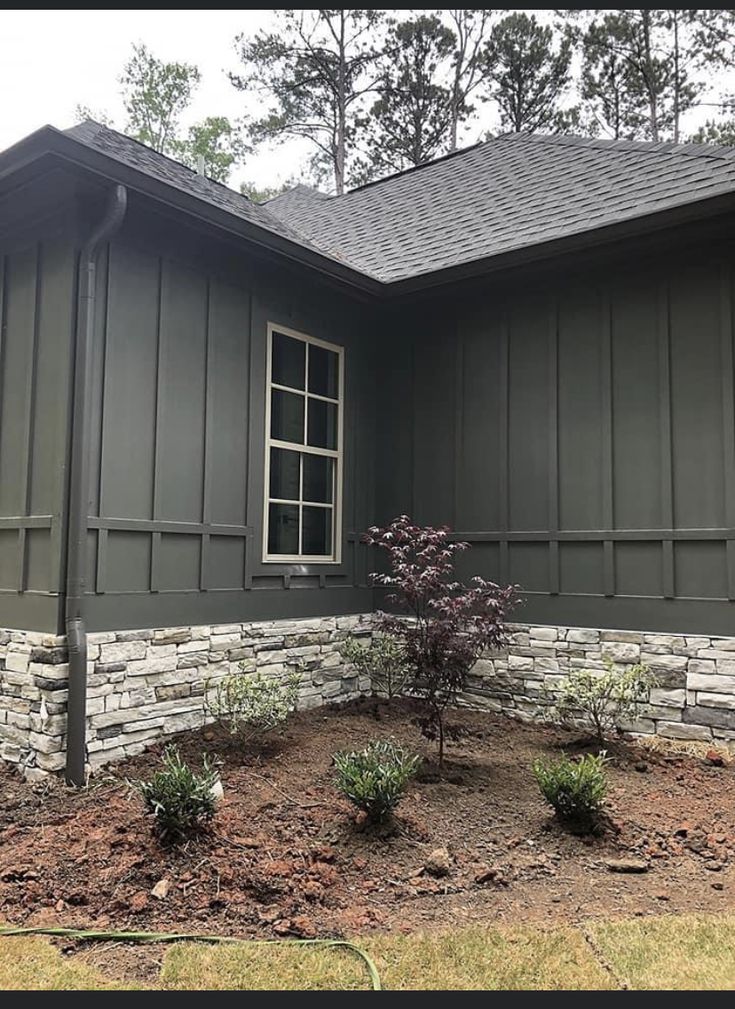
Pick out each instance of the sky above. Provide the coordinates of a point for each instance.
(52, 61)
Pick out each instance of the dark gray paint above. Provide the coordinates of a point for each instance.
(578, 429)
(178, 459)
(37, 306)
(577, 425)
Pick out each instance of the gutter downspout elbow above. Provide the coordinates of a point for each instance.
(78, 505)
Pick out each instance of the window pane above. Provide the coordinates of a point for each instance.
(318, 480)
(288, 365)
(287, 416)
(285, 474)
(316, 535)
(322, 424)
(323, 372)
(283, 529)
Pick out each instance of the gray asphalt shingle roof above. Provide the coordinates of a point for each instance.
(136, 155)
(510, 192)
(503, 195)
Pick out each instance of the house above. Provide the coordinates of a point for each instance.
(204, 401)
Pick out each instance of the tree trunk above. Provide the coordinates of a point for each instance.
(648, 76)
(339, 161)
(675, 16)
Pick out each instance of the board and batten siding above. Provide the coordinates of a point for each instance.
(178, 439)
(37, 310)
(579, 432)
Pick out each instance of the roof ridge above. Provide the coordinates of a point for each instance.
(689, 149)
(413, 168)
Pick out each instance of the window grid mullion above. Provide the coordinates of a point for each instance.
(302, 392)
(303, 449)
(294, 446)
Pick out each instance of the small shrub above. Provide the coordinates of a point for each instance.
(251, 704)
(575, 788)
(444, 625)
(602, 700)
(180, 799)
(374, 779)
(383, 659)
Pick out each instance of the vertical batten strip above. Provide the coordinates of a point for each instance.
(608, 502)
(101, 569)
(156, 536)
(458, 424)
(553, 422)
(250, 487)
(204, 543)
(667, 488)
(728, 416)
(503, 461)
(28, 427)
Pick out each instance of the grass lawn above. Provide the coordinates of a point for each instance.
(686, 952)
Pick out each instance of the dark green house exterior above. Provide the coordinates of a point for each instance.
(204, 402)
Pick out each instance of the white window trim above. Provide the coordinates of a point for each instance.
(337, 455)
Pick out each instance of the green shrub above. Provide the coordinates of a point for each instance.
(251, 704)
(383, 659)
(575, 788)
(180, 799)
(374, 779)
(601, 701)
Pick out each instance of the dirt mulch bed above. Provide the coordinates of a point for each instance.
(286, 857)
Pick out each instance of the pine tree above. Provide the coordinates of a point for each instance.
(315, 69)
(411, 122)
(529, 71)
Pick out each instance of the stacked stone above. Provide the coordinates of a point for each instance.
(144, 685)
(33, 691)
(694, 698)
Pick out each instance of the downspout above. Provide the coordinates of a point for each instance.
(76, 565)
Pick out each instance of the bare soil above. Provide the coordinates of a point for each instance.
(286, 856)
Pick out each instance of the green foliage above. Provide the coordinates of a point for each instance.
(575, 788)
(155, 94)
(374, 779)
(180, 799)
(250, 704)
(640, 69)
(601, 700)
(713, 132)
(216, 143)
(312, 73)
(411, 121)
(529, 71)
(261, 194)
(383, 658)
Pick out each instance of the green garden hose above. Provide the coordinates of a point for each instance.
(81, 933)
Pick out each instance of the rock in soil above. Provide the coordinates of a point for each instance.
(490, 874)
(714, 758)
(161, 889)
(628, 865)
(438, 863)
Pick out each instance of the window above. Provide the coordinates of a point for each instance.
(303, 459)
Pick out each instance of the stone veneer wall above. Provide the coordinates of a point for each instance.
(147, 684)
(694, 699)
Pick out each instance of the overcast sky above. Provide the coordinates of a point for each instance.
(52, 61)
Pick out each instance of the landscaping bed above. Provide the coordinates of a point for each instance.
(286, 855)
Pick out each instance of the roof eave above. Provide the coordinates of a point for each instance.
(50, 141)
(590, 238)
